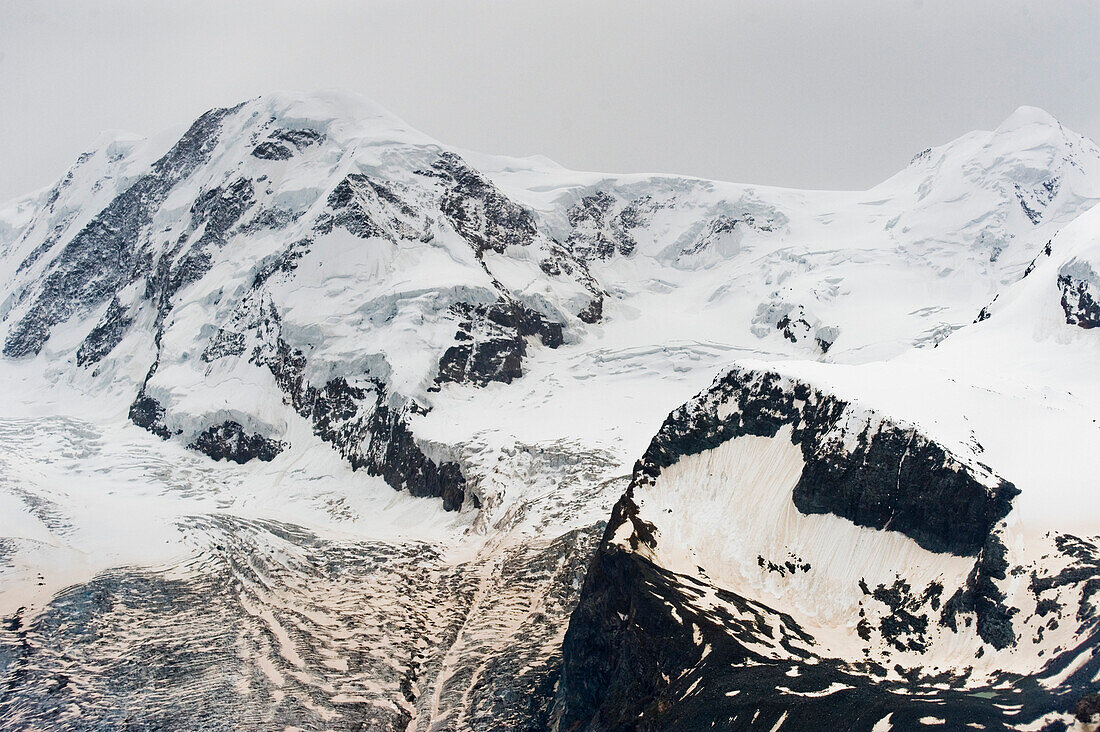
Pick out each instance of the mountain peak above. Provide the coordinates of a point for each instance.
(342, 115)
(329, 103)
(1026, 116)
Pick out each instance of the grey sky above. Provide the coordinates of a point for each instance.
(808, 94)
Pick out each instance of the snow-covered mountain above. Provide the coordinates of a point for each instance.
(312, 421)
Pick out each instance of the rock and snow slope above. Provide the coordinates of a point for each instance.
(912, 539)
(220, 347)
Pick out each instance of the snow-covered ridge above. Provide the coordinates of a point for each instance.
(274, 239)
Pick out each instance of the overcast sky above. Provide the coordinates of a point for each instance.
(808, 94)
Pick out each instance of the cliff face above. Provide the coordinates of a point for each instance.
(889, 545)
(865, 469)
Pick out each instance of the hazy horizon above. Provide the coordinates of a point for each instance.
(805, 95)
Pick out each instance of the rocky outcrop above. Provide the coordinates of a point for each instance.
(284, 263)
(214, 213)
(373, 435)
(283, 144)
(229, 441)
(147, 413)
(1034, 201)
(631, 664)
(724, 228)
(883, 475)
(1080, 287)
(364, 426)
(597, 232)
(106, 334)
(367, 207)
(593, 312)
(484, 216)
(793, 323)
(649, 648)
(492, 342)
(641, 653)
(982, 597)
(348, 210)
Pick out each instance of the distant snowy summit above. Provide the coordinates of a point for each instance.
(861, 423)
(236, 258)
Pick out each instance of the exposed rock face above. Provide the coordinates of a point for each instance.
(376, 437)
(1080, 287)
(107, 253)
(283, 144)
(148, 413)
(720, 226)
(881, 475)
(724, 234)
(793, 323)
(213, 214)
(348, 208)
(363, 426)
(284, 263)
(485, 217)
(229, 441)
(598, 233)
(981, 596)
(1046, 252)
(593, 312)
(632, 664)
(1034, 201)
(492, 341)
(1087, 710)
(107, 334)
